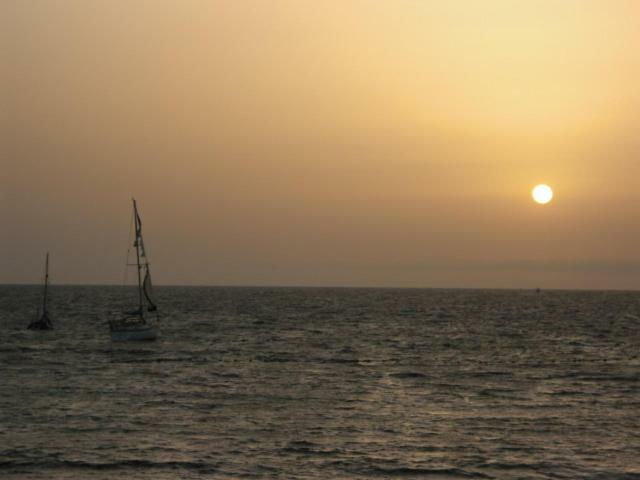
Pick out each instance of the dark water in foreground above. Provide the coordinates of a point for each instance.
(324, 384)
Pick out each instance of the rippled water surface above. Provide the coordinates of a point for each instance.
(324, 384)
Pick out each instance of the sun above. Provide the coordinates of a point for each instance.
(542, 194)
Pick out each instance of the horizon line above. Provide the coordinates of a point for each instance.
(327, 287)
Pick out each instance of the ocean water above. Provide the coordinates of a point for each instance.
(285, 383)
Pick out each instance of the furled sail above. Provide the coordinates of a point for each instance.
(147, 288)
(139, 242)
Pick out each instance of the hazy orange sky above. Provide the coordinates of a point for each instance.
(333, 142)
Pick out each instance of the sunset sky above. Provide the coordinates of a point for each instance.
(333, 142)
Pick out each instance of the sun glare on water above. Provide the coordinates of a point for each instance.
(542, 194)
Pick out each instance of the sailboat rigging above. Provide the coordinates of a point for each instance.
(42, 321)
(139, 324)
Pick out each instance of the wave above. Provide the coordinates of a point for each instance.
(161, 360)
(407, 375)
(200, 467)
(447, 472)
(309, 448)
(404, 471)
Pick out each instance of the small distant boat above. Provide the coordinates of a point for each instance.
(42, 320)
(142, 323)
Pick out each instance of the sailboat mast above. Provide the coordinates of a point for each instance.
(137, 245)
(46, 284)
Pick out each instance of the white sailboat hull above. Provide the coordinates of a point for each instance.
(134, 333)
(133, 328)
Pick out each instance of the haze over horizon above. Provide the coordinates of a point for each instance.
(335, 143)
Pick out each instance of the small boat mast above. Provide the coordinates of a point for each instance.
(43, 322)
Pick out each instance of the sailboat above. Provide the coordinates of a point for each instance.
(142, 323)
(42, 321)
